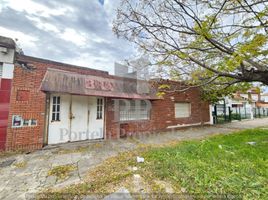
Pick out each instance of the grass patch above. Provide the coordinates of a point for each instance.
(80, 149)
(101, 180)
(5, 154)
(218, 165)
(20, 164)
(75, 150)
(62, 171)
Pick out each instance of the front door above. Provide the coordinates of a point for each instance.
(96, 117)
(58, 131)
(75, 118)
(79, 118)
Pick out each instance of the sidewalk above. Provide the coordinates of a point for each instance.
(29, 172)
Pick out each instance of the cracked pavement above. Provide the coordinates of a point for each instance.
(28, 173)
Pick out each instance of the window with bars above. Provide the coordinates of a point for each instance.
(56, 108)
(133, 110)
(99, 108)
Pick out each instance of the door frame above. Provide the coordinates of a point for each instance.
(46, 119)
(48, 113)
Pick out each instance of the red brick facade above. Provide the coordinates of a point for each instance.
(29, 102)
(162, 115)
(32, 137)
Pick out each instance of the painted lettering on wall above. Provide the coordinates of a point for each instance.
(99, 84)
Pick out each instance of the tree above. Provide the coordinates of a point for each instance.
(219, 45)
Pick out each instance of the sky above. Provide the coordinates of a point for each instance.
(70, 31)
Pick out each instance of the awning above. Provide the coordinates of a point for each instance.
(58, 81)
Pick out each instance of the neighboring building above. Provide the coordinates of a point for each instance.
(239, 106)
(263, 103)
(7, 52)
(264, 97)
(255, 98)
(52, 102)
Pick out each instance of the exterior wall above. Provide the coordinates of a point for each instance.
(29, 102)
(7, 54)
(162, 115)
(5, 88)
(264, 98)
(262, 104)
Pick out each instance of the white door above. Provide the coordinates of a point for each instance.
(79, 118)
(59, 122)
(96, 117)
(75, 118)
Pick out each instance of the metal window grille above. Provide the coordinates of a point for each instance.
(56, 108)
(133, 110)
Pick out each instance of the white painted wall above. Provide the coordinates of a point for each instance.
(264, 98)
(7, 56)
(255, 97)
(244, 95)
(8, 70)
(210, 114)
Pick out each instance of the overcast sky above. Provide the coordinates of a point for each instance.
(72, 31)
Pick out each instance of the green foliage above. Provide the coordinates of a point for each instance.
(204, 28)
(22, 164)
(253, 47)
(218, 165)
(179, 54)
(165, 63)
(100, 180)
(62, 171)
(164, 86)
(160, 94)
(215, 49)
(214, 93)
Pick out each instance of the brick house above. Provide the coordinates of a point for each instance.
(51, 102)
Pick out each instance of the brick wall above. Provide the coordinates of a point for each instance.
(29, 102)
(162, 115)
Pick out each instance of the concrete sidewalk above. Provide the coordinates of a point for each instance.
(26, 174)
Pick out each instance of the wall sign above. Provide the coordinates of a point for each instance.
(17, 121)
(33, 122)
(26, 122)
(99, 85)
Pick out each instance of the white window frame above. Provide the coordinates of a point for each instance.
(99, 108)
(181, 112)
(55, 113)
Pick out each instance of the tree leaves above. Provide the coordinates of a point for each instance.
(212, 44)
